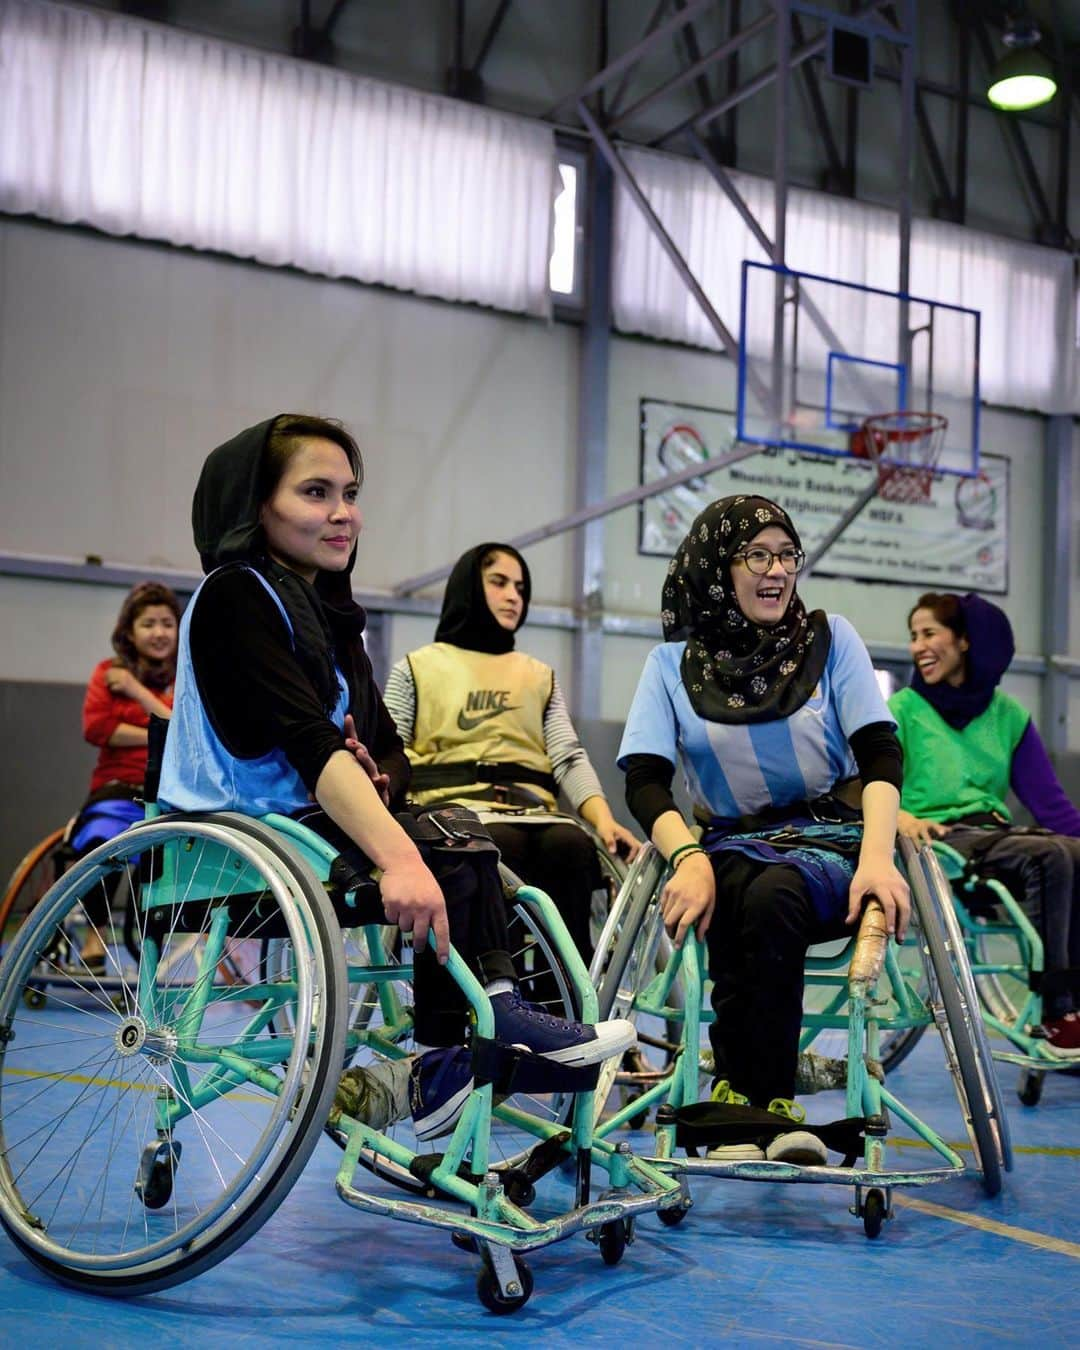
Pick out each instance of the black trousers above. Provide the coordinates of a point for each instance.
(762, 925)
(559, 859)
(1042, 871)
(476, 916)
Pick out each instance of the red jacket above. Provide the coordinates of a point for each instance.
(102, 714)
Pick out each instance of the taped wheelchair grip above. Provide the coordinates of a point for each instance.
(869, 955)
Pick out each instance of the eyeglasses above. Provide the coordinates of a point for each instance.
(760, 560)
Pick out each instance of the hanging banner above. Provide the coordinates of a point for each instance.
(957, 540)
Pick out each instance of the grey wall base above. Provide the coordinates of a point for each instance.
(47, 764)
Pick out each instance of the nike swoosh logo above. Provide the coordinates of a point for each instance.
(470, 723)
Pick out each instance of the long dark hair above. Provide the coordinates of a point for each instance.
(155, 674)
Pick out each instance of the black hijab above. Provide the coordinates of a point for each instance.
(991, 648)
(466, 621)
(326, 620)
(735, 671)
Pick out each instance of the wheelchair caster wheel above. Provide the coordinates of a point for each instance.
(34, 998)
(873, 1215)
(464, 1242)
(1030, 1089)
(612, 1241)
(492, 1297)
(157, 1170)
(519, 1189)
(671, 1218)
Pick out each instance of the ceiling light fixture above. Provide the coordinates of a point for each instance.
(1023, 78)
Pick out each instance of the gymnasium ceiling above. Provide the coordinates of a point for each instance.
(533, 56)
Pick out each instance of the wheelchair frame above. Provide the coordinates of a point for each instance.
(629, 987)
(1031, 1053)
(237, 876)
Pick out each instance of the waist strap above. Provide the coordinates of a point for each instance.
(427, 776)
(827, 810)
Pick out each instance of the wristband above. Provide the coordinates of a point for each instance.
(683, 851)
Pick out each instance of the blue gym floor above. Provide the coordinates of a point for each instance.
(752, 1264)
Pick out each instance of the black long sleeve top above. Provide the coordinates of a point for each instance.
(259, 698)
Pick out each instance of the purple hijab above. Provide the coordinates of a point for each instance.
(990, 650)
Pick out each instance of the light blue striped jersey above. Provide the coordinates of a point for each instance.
(734, 770)
(199, 774)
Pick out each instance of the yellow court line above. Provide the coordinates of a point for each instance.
(1039, 1150)
(85, 1080)
(1006, 1230)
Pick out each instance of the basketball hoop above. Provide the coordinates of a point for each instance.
(905, 448)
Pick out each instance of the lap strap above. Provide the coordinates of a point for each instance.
(428, 776)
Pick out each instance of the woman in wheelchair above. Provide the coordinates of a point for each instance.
(486, 725)
(125, 690)
(965, 743)
(277, 710)
(770, 709)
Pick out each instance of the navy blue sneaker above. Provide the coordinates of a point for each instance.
(574, 1044)
(439, 1087)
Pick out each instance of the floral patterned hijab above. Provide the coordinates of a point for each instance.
(734, 670)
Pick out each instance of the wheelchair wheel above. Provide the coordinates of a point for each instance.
(631, 944)
(30, 880)
(957, 1015)
(143, 1139)
(897, 1045)
(955, 936)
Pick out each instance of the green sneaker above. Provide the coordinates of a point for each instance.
(724, 1095)
(797, 1146)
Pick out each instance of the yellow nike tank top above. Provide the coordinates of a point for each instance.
(471, 706)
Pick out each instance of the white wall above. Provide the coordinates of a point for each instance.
(122, 364)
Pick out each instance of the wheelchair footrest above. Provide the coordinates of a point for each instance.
(710, 1125)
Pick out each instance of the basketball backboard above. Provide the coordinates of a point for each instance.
(818, 355)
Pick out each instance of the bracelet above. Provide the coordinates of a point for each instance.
(684, 850)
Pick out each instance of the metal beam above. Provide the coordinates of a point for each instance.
(1014, 135)
(616, 99)
(630, 58)
(852, 513)
(780, 194)
(963, 75)
(37, 567)
(1063, 234)
(490, 36)
(1058, 570)
(761, 81)
(724, 181)
(585, 514)
(626, 178)
(693, 55)
(905, 155)
(593, 392)
(726, 48)
(702, 64)
(818, 109)
(729, 131)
